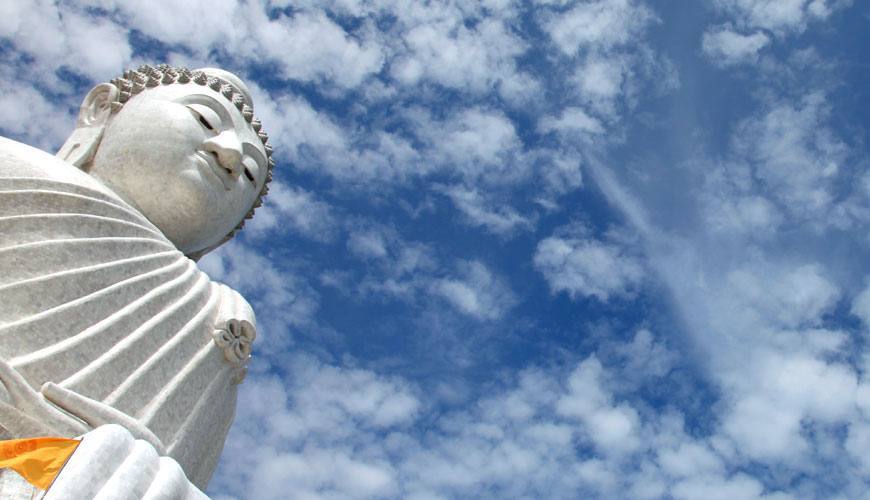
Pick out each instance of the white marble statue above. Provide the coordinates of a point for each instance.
(104, 316)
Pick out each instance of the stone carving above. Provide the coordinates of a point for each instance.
(105, 318)
(235, 338)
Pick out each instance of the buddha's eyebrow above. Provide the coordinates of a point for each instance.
(210, 102)
(252, 150)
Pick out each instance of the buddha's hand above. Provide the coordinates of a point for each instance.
(110, 463)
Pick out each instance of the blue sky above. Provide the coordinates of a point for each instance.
(549, 249)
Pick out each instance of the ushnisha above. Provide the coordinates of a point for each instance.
(106, 319)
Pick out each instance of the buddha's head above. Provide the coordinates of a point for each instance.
(181, 146)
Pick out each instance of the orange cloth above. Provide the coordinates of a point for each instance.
(38, 460)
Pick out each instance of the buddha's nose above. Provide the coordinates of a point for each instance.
(227, 149)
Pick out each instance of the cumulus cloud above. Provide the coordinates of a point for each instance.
(321, 50)
(478, 144)
(598, 24)
(476, 291)
(48, 37)
(451, 54)
(292, 436)
(602, 78)
(794, 153)
(587, 267)
(31, 115)
(571, 121)
(613, 428)
(861, 306)
(726, 47)
(787, 298)
(781, 17)
(281, 297)
(414, 273)
(732, 205)
(326, 431)
(91, 47)
(294, 209)
(767, 421)
(479, 211)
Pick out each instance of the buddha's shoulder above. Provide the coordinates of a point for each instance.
(20, 161)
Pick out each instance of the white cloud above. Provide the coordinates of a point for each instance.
(857, 442)
(412, 272)
(30, 114)
(210, 23)
(861, 306)
(728, 210)
(479, 211)
(306, 46)
(99, 47)
(587, 267)
(768, 420)
(295, 436)
(598, 24)
(326, 431)
(720, 488)
(609, 59)
(296, 210)
(447, 52)
(477, 143)
(795, 154)
(783, 297)
(644, 357)
(293, 124)
(780, 16)
(571, 121)
(476, 291)
(382, 246)
(53, 37)
(311, 47)
(690, 460)
(28, 24)
(601, 78)
(725, 47)
(612, 427)
(331, 392)
(281, 298)
(368, 243)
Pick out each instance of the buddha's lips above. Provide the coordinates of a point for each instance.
(213, 167)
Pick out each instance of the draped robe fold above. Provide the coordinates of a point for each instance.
(94, 299)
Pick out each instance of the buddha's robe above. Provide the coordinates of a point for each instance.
(107, 321)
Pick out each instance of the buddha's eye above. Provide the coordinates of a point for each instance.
(249, 168)
(205, 123)
(206, 117)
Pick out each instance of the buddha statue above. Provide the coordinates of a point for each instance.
(104, 316)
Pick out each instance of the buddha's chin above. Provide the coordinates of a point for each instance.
(187, 236)
(188, 214)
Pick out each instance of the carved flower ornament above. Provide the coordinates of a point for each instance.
(235, 338)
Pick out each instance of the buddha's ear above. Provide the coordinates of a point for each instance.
(94, 113)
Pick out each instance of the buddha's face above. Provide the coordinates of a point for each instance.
(187, 158)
